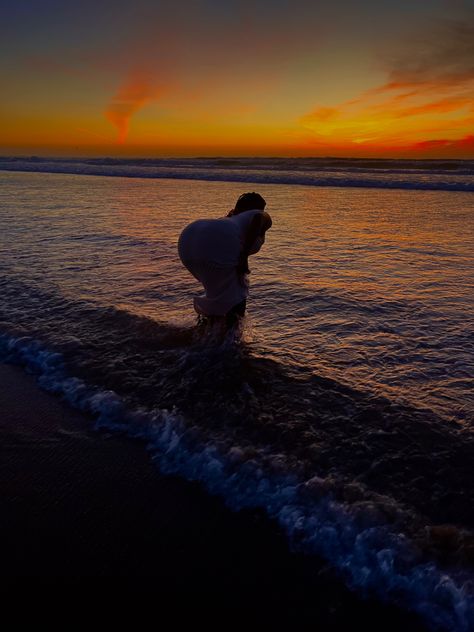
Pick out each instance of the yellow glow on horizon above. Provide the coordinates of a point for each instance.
(244, 78)
(151, 121)
(397, 117)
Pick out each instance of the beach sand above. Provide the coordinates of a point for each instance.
(82, 508)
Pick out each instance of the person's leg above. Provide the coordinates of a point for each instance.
(204, 321)
(201, 320)
(235, 314)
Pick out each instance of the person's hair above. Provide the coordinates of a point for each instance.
(248, 202)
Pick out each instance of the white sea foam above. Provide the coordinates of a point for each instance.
(262, 172)
(372, 556)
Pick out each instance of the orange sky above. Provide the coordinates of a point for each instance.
(264, 78)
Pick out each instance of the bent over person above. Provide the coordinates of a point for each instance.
(216, 253)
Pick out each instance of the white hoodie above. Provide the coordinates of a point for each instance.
(210, 249)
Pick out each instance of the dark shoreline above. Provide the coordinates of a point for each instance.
(80, 508)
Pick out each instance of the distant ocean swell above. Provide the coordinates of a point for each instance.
(359, 536)
(388, 174)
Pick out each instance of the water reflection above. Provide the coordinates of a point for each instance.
(369, 287)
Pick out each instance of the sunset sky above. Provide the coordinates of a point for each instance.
(215, 77)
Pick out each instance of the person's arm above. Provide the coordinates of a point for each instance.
(257, 233)
(254, 239)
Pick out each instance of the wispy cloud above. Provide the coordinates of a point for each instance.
(427, 101)
(211, 68)
(137, 90)
(466, 143)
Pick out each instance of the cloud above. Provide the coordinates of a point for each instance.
(426, 103)
(216, 60)
(462, 144)
(443, 57)
(136, 91)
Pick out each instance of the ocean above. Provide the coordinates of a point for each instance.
(344, 407)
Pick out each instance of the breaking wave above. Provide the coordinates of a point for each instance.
(379, 545)
(434, 175)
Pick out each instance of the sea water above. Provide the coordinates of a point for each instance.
(345, 407)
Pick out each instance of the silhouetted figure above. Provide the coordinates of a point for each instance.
(216, 253)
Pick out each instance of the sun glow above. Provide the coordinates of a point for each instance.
(239, 80)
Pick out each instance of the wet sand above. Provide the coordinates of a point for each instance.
(83, 509)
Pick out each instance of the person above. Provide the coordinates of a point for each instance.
(216, 252)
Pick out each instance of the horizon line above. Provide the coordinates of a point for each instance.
(229, 157)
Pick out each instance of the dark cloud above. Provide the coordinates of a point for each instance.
(426, 105)
(442, 54)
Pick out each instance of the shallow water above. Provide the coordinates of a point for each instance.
(347, 407)
(372, 288)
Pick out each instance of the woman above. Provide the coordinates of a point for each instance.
(216, 253)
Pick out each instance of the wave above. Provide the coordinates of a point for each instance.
(405, 165)
(237, 392)
(415, 175)
(359, 532)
